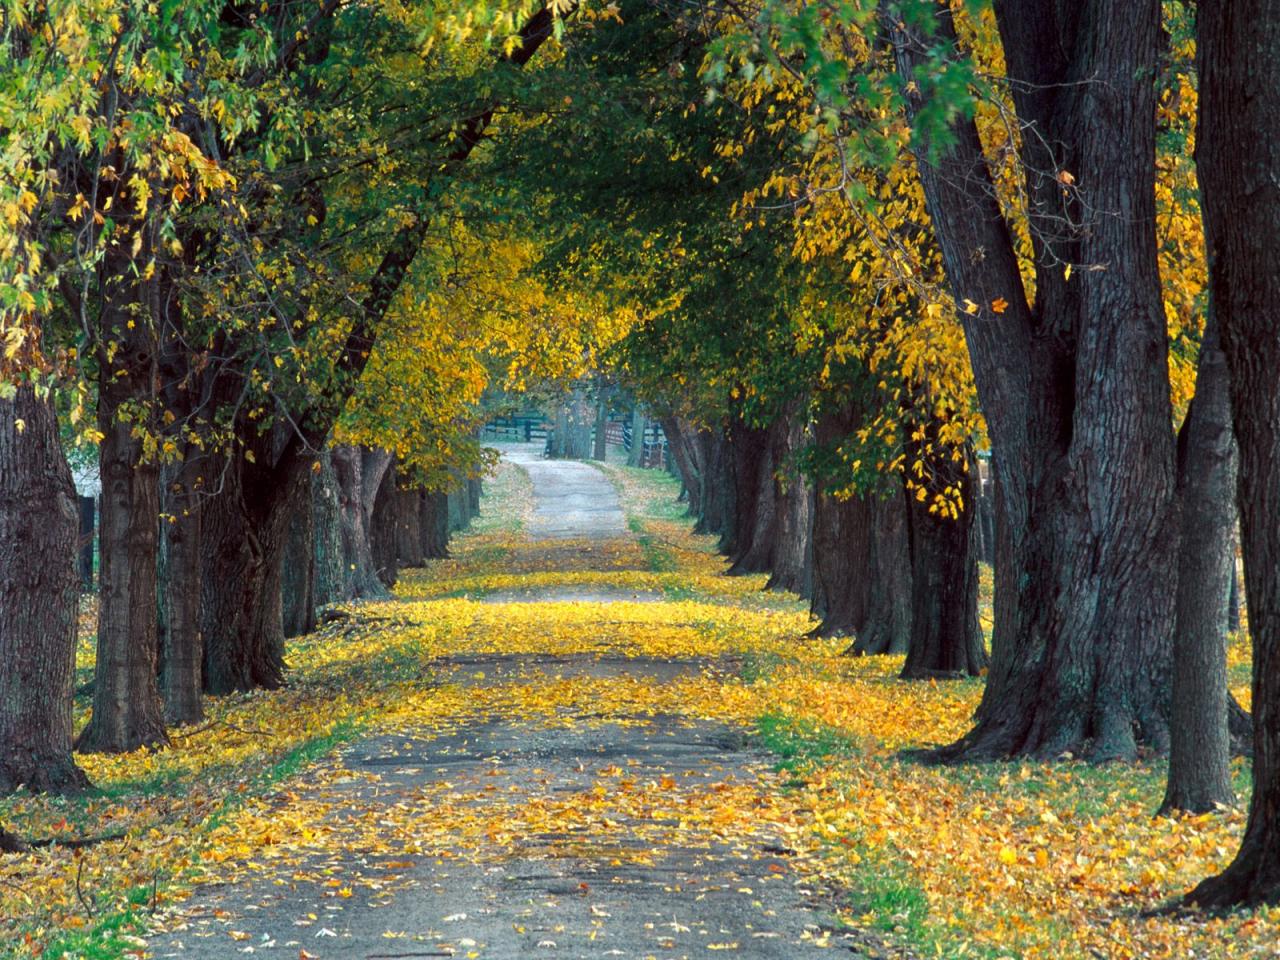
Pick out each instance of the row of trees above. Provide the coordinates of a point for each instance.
(241, 261)
(837, 247)
(864, 240)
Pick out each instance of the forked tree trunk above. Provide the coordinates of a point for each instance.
(246, 527)
(39, 595)
(127, 710)
(181, 680)
(1199, 739)
(359, 571)
(1074, 386)
(1239, 129)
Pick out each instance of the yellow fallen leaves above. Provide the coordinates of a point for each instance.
(1032, 860)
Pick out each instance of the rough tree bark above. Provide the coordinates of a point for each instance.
(945, 635)
(246, 527)
(297, 583)
(39, 595)
(181, 681)
(1199, 739)
(861, 560)
(127, 710)
(1238, 158)
(750, 544)
(719, 505)
(434, 524)
(359, 571)
(1074, 386)
(327, 571)
(409, 506)
(382, 518)
(793, 551)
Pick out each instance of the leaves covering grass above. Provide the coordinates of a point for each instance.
(1008, 860)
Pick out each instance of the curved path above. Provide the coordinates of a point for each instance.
(572, 499)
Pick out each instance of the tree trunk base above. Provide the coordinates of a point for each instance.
(42, 775)
(1253, 878)
(10, 843)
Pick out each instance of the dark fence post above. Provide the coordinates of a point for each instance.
(88, 509)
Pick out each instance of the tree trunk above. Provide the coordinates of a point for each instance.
(751, 543)
(1233, 601)
(328, 573)
(686, 449)
(945, 636)
(127, 710)
(181, 682)
(717, 494)
(793, 551)
(298, 570)
(1199, 740)
(474, 490)
(409, 516)
(1236, 152)
(246, 527)
(861, 559)
(1074, 387)
(359, 569)
(600, 447)
(434, 524)
(637, 437)
(382, 528)
(38, 599)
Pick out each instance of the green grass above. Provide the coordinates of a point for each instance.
(799, 744)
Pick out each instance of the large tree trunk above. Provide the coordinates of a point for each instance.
(328, 572)
(1238, 153)
(359, 569)
(182, 653)
(719, 504)
(687, 447)
(127, 710)
(751, 541)
(246, 527)
(861, 559)
(38, 599)
(1199, 740)
(382, 528)
(434, 524)
(945, 635)
(1074, 387)
(793, 550)
(297, 599)
(409, 506)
